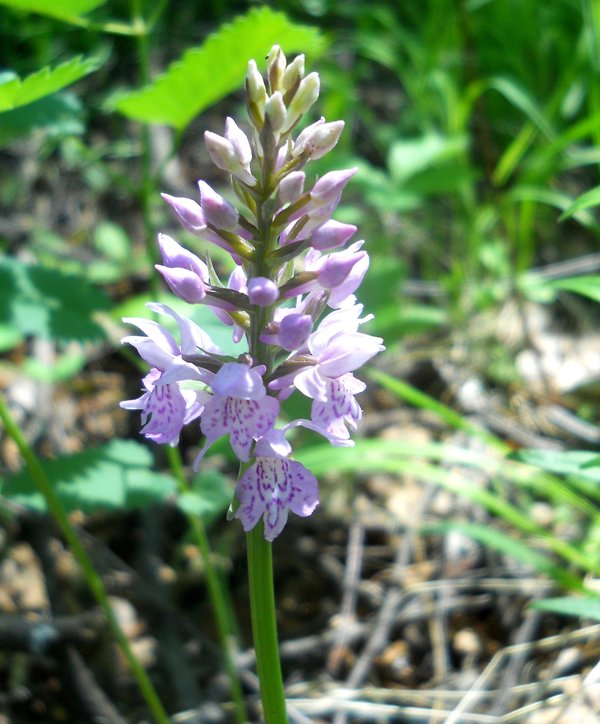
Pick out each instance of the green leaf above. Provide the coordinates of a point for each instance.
(557, 199)
(587, 286)
(114, 476)
(510, 546)
(48, 303)
(407, 158)
(520, 98)
(210, 495)
(206, 74)
(66, 10)
(59, 115)
(9, 337)
(585, 201)
(579, 465)
(15, 92)
(581, 606)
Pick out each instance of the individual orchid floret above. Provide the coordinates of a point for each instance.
(302, 101)
(331, 235)
(224, 155)
(239, 141)
(165, 405)
(276, 64)
(294, 330)
(218, 212)
(256, 94)
(239, 408)
(291, 187)
(191, 217)
(293, 75)
(342, 273)
(262, 291)
(317, 140)
(273, 485)
(275, 111)
(184, 272)
(328, 188)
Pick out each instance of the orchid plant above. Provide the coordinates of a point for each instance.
(290, 303)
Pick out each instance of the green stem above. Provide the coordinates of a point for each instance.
(91, 576)
(215, 591)
(264, 627)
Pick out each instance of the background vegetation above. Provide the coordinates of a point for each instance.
(475, 125)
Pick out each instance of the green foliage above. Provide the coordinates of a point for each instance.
(48, 303)
(585, 201)
(15, 92)
(587, 286)
(59, 115)
(205, 75)
(581, 606)
(116, 476)
(66, 10)
(209, 495)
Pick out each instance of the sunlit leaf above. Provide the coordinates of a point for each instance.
(66, 10)
(511, 546)
(15, 92)
(206, 74)
(114, 476)
(582, 607)
(585, 201)
(210, 494)
(49, 303)
(587, 286)
(59, 115)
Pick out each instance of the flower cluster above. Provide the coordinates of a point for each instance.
(290, 298)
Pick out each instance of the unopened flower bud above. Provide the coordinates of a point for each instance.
(183, 283)
(336, 269)
(293, 74)
(276, 111)
(256, 93)
(262, 291)
(239, 141)
(223, 155)
(187, 211)
(276, 63)
(329, 187)
(218, 212)
(175, 255)
(304, 98)
(317, 140)
(294, 330)
(291, 187)
(331, 235)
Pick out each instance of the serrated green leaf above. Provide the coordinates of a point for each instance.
(582, 607)
(66, 10)
(16, 92)
(48, 303)
(210, 494)
(114, 476)
(206, 74)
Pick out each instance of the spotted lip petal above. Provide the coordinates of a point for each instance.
(270, 488)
